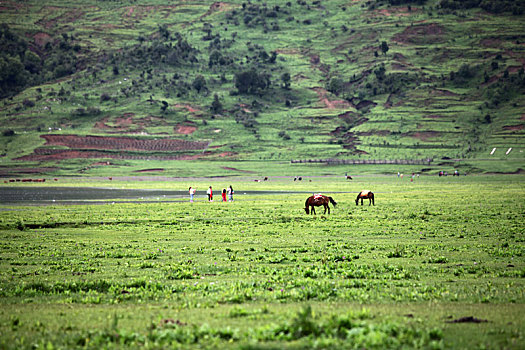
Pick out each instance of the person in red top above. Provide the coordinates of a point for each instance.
(224, 195)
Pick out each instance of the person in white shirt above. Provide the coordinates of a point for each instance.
(192, 193)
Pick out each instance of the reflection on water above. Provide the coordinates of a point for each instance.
(94, 195)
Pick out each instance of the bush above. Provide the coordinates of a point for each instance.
(251, 82)
(28, 103)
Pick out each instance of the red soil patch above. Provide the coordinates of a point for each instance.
(399, 57)
(216, 7)
(321, 93)
(10, 6)
(514, 127)
(425, 135)
(522, 117)
(315, 59)
(443, 92)
(101, 164)
(491, 42)
(421, 34)
(185, 129)
(187, 107)
(397, 66)
(514, 69)
(41, 39)
(68, 17)
(395, 11)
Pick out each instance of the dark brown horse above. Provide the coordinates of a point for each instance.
(364, 195)
(316, 201)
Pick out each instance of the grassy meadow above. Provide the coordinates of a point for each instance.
(437, 263)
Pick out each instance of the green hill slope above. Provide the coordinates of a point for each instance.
(127, 83)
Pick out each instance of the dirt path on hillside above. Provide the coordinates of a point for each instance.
(330, 104)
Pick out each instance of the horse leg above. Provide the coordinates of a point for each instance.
(313, 210)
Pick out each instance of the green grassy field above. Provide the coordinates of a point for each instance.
(436, 263)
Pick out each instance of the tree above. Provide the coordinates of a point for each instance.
(199, 83)
(32, 62)
(12, 76)
(335, 86)
(251, 82)
(163, 31)
(216, 105)
(384, 47)
(285, 77)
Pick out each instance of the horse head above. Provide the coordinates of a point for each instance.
(307, 210)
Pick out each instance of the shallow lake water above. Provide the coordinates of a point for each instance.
(96, 195)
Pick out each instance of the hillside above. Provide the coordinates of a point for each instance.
(130, 84)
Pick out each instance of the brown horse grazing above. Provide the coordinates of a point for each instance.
(364, 195)
(316, 201)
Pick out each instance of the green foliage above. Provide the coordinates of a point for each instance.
(21, 66)
(216, 106)
(122, 68)
(252, 82)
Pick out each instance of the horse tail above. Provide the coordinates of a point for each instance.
(332, 201)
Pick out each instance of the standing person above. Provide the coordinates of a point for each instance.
(209, 192)
(224, 195)
(192, 193)
(230, 193)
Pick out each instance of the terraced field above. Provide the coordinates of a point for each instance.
(347, 80)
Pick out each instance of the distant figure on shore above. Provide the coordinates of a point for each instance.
(230, 193)
(348, 177)
(209, 192)
(192, 194)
